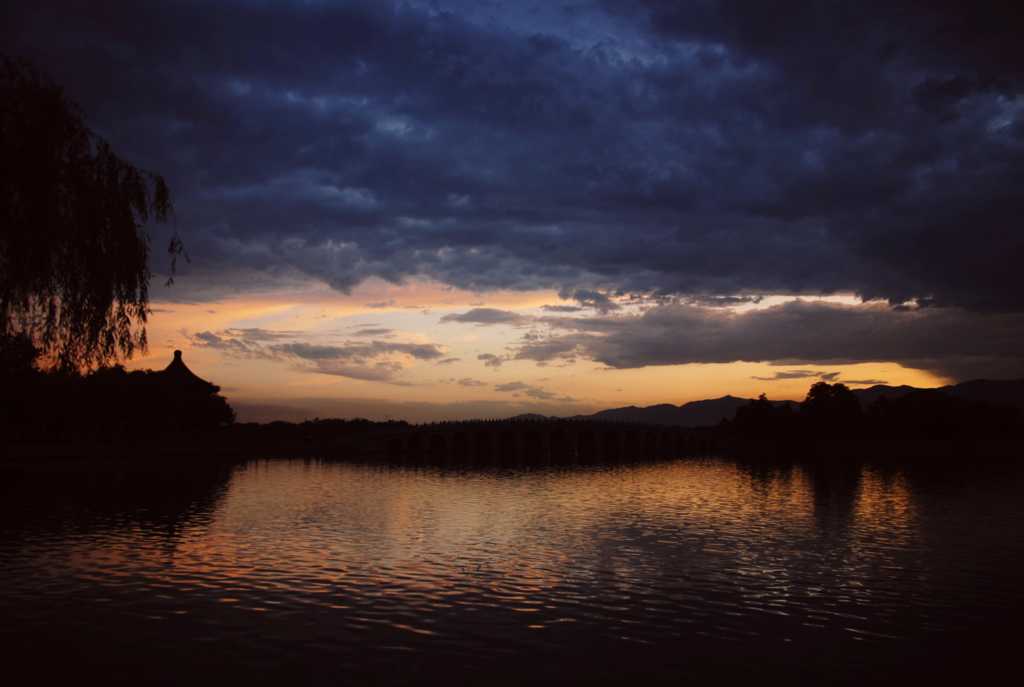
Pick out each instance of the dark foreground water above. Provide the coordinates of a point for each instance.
(334, 574)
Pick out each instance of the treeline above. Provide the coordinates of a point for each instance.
(107, 404)
(833, 411)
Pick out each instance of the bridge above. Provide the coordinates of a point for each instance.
(544, 442)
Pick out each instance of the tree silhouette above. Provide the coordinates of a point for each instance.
(74, 273)
(831, 408)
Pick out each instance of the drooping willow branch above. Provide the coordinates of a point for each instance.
(74, 253)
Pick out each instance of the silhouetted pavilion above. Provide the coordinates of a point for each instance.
(189, 401)
(178, 375)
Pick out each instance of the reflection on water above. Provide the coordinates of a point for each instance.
(354, 571)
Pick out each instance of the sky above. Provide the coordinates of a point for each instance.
(431, 210)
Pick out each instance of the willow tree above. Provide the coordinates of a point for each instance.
(74, 273)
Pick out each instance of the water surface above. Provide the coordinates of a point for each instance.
(360, 573)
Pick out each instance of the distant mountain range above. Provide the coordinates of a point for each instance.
(693, 414)
(710, 412)
(999, 391)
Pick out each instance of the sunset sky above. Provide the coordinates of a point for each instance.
(445, 209)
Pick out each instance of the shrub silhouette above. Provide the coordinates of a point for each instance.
(762, 419)
(834, 411)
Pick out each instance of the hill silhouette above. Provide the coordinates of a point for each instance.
(997, 391)
(705, 413)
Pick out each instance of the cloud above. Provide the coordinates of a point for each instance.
(864, 382)
(377, 361)
(466, 381)
(795, 332)
(228, 344)
(491, 360)
(372, 361)
(561, 308)
(381, 371)
(488, 316)
(448, 361)
(359, 351)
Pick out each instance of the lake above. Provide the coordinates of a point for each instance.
(331, 573)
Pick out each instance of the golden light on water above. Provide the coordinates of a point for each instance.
(333, 524)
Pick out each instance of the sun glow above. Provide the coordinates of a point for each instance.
(465, 369)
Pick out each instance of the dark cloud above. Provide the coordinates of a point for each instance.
(723, 301)
(486, 316)
(466, 381)
(864, 382)
(448, 361)
(383, 332)
(530, 390)
(799, 374)
(591, 299)
(549, 348)
(256, 334)
(511, 386)
(649, 146)
(561, 308)
(792, 333)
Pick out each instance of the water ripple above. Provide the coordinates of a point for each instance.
(470, 565)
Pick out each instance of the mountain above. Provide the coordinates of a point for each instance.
(872, 394)
(530, 417)
(1001, 391)
(710, 412)
(694, 414)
